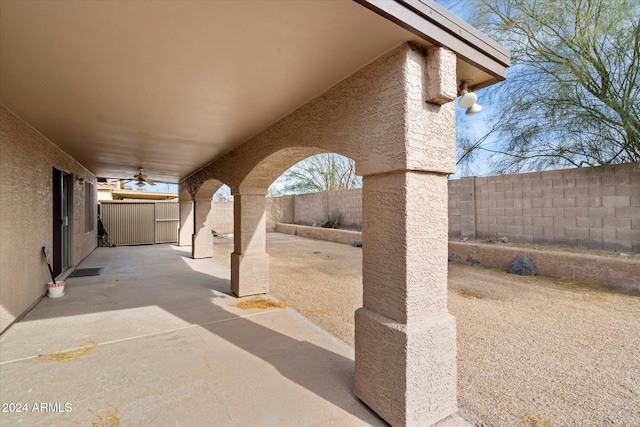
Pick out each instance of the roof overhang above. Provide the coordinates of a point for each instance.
(171, 86)
(481, 60)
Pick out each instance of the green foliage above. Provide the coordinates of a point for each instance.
(572, 97)
(323, 172)
(274, 192)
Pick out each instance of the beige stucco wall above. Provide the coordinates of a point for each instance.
(404, 147)
(105, 194)
(26, 162)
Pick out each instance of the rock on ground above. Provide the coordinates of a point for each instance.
(522, 265)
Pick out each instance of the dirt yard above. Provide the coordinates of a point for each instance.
(532, 351)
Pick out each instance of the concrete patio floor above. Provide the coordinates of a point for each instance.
(168, 348)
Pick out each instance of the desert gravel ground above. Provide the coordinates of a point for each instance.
(532, 351)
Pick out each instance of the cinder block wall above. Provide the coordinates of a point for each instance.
(307, 209)
(310, 208)
(279, 209)
(221, 217)
(455, 220)
(595, 208)
(462, 205)
(348, 204)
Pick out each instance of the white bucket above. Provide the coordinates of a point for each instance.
(56, 290)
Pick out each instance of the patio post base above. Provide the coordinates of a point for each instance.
(249, 274)
(406, 373)
(202, 245)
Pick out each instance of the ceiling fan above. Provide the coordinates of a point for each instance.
(141, 178)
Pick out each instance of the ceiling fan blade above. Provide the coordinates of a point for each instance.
(150, 182)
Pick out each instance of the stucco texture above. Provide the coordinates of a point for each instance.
(378, 117)
(26, 163)
(404, 147)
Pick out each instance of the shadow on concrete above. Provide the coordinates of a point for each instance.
(197, 293)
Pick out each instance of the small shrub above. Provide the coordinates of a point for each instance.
(331, 221)
(489, 240)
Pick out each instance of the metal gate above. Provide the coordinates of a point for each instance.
(136, 222)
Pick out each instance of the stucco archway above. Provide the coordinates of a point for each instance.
(250, 261)
(195, 222)
(395, 119)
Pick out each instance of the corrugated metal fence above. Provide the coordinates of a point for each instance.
(141, 222)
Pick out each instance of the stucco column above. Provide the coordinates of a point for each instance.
(202, 238)
(249, 260)
(186, 223)
(405, 339)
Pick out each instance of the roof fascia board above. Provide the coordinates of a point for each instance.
(438, 26)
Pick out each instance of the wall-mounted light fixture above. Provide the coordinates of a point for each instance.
(80, 180)
(468, 99)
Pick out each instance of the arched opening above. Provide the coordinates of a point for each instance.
(250, 260)
(195, 217)
(321, 172)
(185, 205)
(325, 191)
(223, 194)
(309, 270)
(403, 147)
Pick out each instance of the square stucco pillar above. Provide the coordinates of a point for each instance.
(202, 238)
(405, 338)
(186, 223)
(405, 342)
(249, 260)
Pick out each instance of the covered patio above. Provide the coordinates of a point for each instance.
(167, 347)
(213, 93)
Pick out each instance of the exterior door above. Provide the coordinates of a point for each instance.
(61, 221)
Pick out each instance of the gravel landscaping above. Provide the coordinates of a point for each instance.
(532, 351)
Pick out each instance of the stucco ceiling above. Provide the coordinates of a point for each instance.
(170, 86)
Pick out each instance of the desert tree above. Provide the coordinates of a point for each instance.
(572, 97)
(322, 172)
(223, 194)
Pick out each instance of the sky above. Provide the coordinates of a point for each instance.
(478, 124)
(454, 6)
